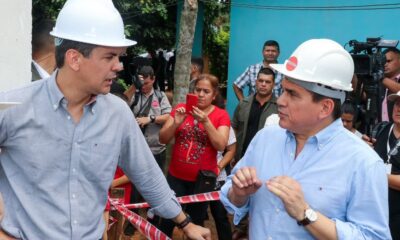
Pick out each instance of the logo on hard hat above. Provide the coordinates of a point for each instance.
(291, 63)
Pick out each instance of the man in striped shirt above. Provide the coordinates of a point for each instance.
(249, 76)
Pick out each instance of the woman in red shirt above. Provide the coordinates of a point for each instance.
(198, 136)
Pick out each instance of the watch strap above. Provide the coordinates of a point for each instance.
(185, 222)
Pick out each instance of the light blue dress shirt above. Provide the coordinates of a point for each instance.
(341, 177)
(55, 174)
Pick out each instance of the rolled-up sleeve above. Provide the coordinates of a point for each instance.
(139, 165)
(367, 212)
(238, 213)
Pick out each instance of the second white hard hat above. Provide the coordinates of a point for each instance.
(320, 61)
(91, 21)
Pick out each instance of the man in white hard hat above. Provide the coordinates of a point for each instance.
(309, 177)
(61, 146)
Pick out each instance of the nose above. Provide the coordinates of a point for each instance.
(281, 99)
(118, 66)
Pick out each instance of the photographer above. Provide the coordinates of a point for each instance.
(391, 79)
(386, 141)
(151, 109)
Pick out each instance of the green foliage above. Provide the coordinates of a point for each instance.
(216, 35)
(149, 22)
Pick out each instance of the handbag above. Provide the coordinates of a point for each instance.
(205, 181)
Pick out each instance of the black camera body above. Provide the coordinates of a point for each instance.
(369, 67)
(131, 66)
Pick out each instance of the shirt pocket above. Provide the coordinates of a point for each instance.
(329, 199)
(99, 161)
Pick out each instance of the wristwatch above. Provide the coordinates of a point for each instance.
(152, 118)
(185, 222)
(310, 216)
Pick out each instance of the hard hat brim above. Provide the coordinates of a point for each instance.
(120, 43)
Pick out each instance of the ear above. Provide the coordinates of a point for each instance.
(327, 107)
(73, 59)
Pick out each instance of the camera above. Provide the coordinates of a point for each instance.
(369, 68)
(131, 66)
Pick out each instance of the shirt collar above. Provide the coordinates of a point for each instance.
(323, 137)
(57, 97)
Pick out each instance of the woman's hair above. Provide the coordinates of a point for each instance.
(211, 78)
(218, 100)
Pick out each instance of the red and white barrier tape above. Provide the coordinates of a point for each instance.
(143, 226)
(201, 197)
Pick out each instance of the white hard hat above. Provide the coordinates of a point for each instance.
(91, 21)
(321, 61)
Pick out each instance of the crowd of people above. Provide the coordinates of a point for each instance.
(291, 163)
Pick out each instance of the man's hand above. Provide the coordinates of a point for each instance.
(196, 232)
(244, 183)
(291, 194)
(143, 121)
(368, 140)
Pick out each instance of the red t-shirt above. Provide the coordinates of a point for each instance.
(192, 150)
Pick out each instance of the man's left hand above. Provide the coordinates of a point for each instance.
(143, 121)
(291, 194)
(196, 232)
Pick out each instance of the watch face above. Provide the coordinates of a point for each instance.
(311, 215)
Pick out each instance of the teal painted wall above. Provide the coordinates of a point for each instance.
(252, 23)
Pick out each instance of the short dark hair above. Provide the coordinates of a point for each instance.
(84, 48)
(393, 50)
(146, 71)
(198, 62)
(41, 37)
(266, 71)
(271, 43)
(336, 113)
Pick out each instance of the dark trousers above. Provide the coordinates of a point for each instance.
(197, 211)
(394, 224)
(221, 220)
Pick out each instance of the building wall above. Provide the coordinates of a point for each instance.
(15, 42)
(252, 23)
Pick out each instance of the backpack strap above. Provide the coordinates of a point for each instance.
(378, 128)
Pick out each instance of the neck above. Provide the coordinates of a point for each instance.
(69, 86)
(208, 109)
(396, 130)
(301, 138)
(46, 61)
(267, 63)
(262, 99)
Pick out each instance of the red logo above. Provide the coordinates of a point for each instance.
(291, 63)
(155, 103)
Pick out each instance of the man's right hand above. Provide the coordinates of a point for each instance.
(196, 232)
(244, 183)
(368, 140)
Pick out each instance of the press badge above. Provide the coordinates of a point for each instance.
(388, 168)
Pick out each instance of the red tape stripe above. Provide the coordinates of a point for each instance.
(202, 197)
(143, 226)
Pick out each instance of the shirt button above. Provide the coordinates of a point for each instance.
(73, 196)
(269, 238)
(55, 106)
(73, 170)
(277, 210)
(69, 117)
(75, 222)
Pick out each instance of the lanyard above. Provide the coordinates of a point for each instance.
(394, 150)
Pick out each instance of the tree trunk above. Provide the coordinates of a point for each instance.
(184, 50)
